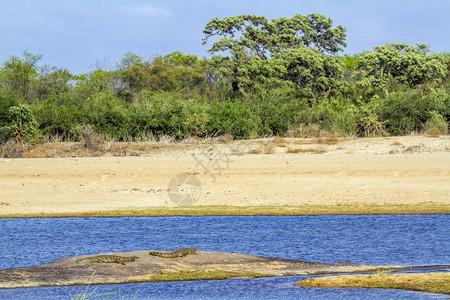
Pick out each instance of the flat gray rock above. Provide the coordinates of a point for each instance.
(67, 271)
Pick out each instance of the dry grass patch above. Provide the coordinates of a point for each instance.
(329, 139)
(294, 150)
(270, 210)
(305, 141)
(14, 149)
(194, 275)
(433, 132)
(304, 131)
(424, 282)
(79, 149)
(413, 149)
(226, 138)
(399, 148)
(269, 149)
(396, 143)
(92, 140)
(266, 148)
(255, 150)
(279, 141)
(305, 150)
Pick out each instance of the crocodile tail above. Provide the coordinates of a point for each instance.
(86, 259)
(162, 254)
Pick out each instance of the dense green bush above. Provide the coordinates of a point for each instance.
(196, 117)
(108, 114)
(7, 100)
(285, 82)
(58, 116)
(369, 121)
(276, 110)
(437, 121)
(23, 126)
(232, 117)
(405, 112)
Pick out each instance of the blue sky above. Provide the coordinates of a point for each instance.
(77, 34)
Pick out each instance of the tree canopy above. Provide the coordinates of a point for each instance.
(270, 52)
(283, 76)
(403, 63)
(249, 35)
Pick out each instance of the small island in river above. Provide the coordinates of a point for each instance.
(182, 264)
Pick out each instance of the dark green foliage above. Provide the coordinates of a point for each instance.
(22, 126)
(405, 112)
(108, 114)
(402, 63)
(52, 81)
(173, 72)
(18, 73)
(232, 117)
(277, 110)
(251, 35)
(311, 72)
(271, 77)
(59, 115)
(164, 114)
(369, 117)
(284, 51)
(6, 102)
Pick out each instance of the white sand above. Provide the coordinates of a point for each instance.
(399, 170)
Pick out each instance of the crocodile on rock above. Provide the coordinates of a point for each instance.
(177, 253)
(108, 259)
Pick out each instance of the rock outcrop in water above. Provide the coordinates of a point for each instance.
(67, 271)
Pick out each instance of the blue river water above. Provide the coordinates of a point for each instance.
(408, 240)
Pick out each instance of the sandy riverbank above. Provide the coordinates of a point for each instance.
(411, 171)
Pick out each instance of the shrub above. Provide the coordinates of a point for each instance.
(276, 110)
(58, 116)
(369, 121)
(23, 125)
(405, 112)
(89, 138)
(332, 115)
(13, 149)
(7, 131)
(438, 122)
(232, 117)
(108, 114)
(196, 118)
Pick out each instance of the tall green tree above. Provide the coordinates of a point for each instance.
(313, 74)
(255, 35)
(18, 73)
(51, 81)
(134, 73)
(402, 63)
(177, 72)
(260, 51)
